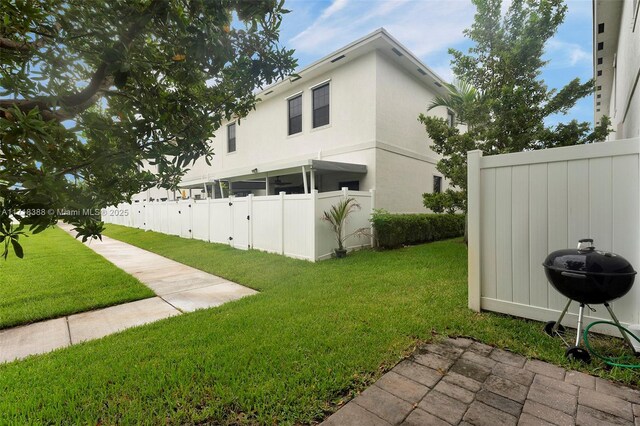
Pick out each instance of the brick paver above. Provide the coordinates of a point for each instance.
(462, 382)
(580, 379)
(402, 387)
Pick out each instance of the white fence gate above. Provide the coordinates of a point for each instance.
(286, 224)
(523, 206)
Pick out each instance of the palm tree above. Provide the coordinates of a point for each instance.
(462, 98)
(337, 217)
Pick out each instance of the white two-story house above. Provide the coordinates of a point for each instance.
(349, 119)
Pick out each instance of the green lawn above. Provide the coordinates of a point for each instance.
(315, 334)
(59, 276)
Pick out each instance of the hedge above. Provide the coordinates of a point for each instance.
(394, 230)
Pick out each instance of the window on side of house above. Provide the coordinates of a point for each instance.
(451, 118)
(231, 137)
(295, 115)
(321, 105)
(437, 184)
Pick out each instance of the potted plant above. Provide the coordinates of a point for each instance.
(337, 217)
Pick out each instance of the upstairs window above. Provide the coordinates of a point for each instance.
(437, 184)
(231, 137)
(451, 118)
(321, 105)
(295, 115)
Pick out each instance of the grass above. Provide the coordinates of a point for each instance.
(59, 276)
(315, 335)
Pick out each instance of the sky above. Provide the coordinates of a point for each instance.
(315, 28)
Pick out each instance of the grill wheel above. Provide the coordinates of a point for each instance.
(576, 353)
(548, 328)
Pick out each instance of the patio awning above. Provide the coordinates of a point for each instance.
(320, 167)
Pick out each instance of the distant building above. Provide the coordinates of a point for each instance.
(616, 64)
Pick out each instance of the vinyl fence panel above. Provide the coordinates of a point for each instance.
(287, 224)
(240, 223)
(523, 206)
(138, 215)
(266, 223)
(200, 220)
(174, 225)
(219, 221)
(298, 226)
(326, 240)
(163, 209)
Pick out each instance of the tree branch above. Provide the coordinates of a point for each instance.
(27, 105)
(101, 80)
(20, 46)
(97, 81)
(100, 77)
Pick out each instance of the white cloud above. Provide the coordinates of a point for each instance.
(424, 26)
(564, 54)
(336, 6)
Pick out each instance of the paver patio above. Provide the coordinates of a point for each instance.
(462, 382)
(180, 288)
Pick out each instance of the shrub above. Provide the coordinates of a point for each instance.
(448, 201)
(394, 230)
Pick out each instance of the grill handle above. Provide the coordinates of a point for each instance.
(573, 275)
(582, 244)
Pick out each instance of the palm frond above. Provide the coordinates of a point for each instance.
(462, 95)
(337, 216)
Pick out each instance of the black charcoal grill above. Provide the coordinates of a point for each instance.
(590, 277)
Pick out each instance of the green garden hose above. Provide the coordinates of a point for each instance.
(612, 361)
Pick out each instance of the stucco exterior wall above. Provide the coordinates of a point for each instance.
(400, 99)
(625, 102)
(405, 163)
(401, 181)
(261, 137)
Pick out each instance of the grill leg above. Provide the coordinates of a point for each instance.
(613, 317)
(580, 314)
(564, 311)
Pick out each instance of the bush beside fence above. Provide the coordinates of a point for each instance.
(394, 230)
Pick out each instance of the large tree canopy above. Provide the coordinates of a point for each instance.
(500, 96)
(92, 89)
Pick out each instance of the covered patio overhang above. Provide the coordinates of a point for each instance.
(267, 177)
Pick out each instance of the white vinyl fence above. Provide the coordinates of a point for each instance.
(523, 206)
(286, 224)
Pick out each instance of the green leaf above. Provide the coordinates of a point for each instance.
(17, 248)
(160, 108)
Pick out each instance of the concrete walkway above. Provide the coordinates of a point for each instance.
(461, 382)
(179, 288)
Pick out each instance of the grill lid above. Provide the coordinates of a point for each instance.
(589, 261)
